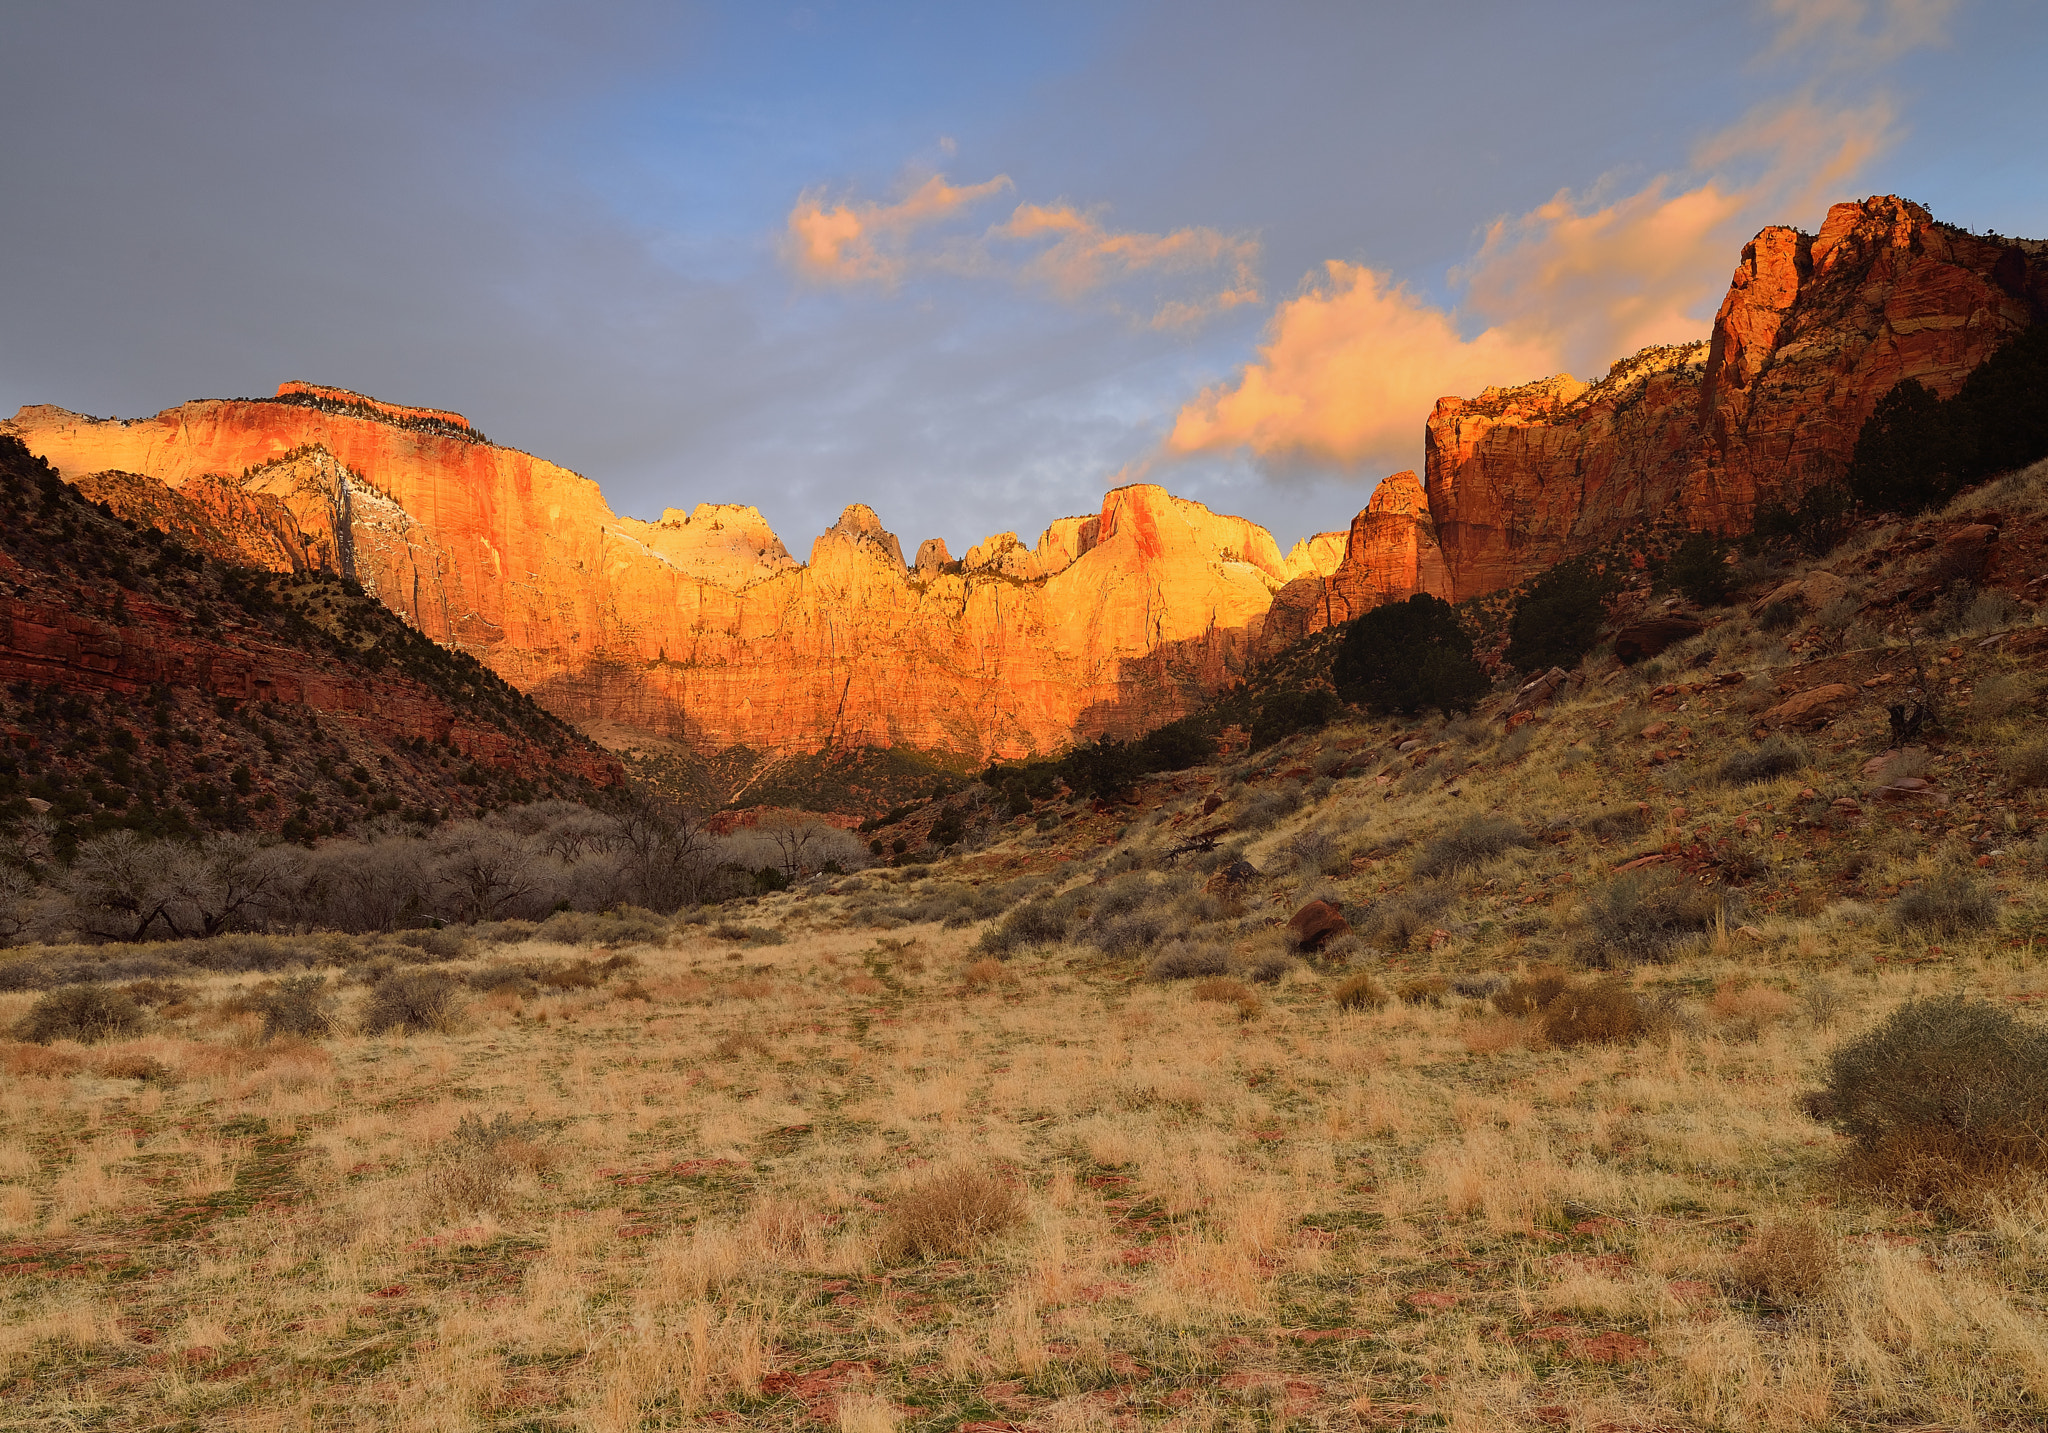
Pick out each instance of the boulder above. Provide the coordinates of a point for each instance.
(1315, 925)
(1641, 640)
(1233, 877)
(1815, 707)
(1537, 691)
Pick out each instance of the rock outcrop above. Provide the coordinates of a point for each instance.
(231, 703)
(1390, 554)
(702, 626)
(1815, 329)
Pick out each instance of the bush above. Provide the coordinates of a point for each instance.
(1942, 1099)
(1781, 616)
(1697, 571)
(1786, 1262)
(1619, 821)
(80, 1012)
(1408, 656)
(1047, 920)
(1597, 1012)
(1949, 902)
(1532, 993)
(1360, 992)
(1817, 523)
(2028, 764)
(1424, 990)
(1289, 710)
(1557, 621)
(1905, 455)
(1774, 756)
(1266, 808)
(409, 1001)
(1189, 960)
(949, 1215)
(1223, 990)
(1917, 451)
(1474, 842)
(298, 1006)
(1644, 915)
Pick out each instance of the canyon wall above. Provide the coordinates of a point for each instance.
(1815, 329)
(701, 626)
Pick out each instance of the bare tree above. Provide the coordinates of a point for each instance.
(667, 857)
(486, 874)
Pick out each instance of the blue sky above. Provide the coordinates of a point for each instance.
(1233, 248)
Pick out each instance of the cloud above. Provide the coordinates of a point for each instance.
(1060, 247)
(1080, 255)
(1350, 368)
(1347, 369)
(856, 243)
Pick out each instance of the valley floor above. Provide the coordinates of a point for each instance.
(1272, 1213)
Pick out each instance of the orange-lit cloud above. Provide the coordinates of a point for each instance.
(859, 242)
(1060, 247)
(1346, 372)
(1350, 369)
(1080, 255)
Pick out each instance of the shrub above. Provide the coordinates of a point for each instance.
(485, 1157)
(1942, 1099)
(1557, 621)
(1289, 710)
(1424, 990)
(1224, 990)
(80, 1012)
(949, 1215)
(1267, 808)
(1780, 616)
(1189, 960)
(1597, 1012)
(1917, 451)
(1786, 1262)
(1265, 967)
(1949, 902)
(1619, 821)
(2028, 764)
(1474, 842)
(1531, 993)
(1774, 756)
(1360, 992)
(1818, 522)
(1697, 571)
(1048, 920)
(409, 1001)
(1644, 915)
(1905, 455)
(298, 1006)
(1409, 656)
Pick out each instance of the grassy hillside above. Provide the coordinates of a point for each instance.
(98, 738)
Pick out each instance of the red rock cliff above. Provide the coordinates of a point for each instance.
(1813, 332)
(702, 626)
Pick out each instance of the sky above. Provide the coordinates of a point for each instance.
(972, 265)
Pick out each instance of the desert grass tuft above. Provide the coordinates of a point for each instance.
(949, 1215)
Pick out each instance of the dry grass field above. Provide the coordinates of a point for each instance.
(1064, 1132)
(880, 1184)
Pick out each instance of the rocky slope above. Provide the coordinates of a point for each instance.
(1815, 329)
(701, 627)
(143, 686)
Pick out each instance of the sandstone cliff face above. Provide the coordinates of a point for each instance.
(703, 626)
(1813, 332)
(1390, 554)
(229, 703)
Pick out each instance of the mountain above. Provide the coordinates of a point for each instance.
(145, 686)
(700, 627)
(1815, 329)
(699, 633)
